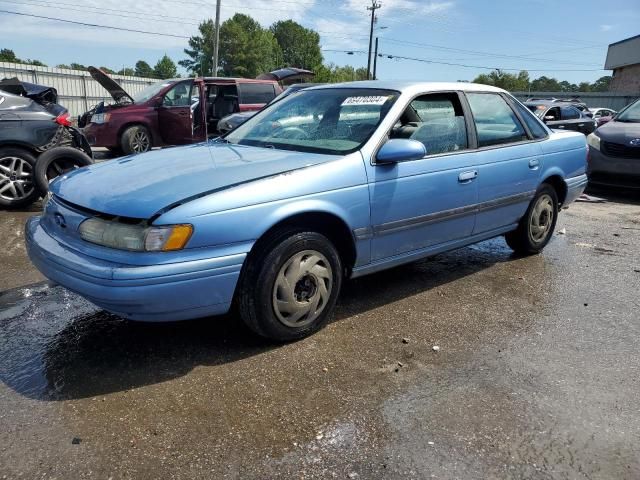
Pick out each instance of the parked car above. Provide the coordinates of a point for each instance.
(334, 182)
(602, 115)
(614, 150)
(576, 102)
(565, 116)
(230, 122)
(35, 140)
(174, 112)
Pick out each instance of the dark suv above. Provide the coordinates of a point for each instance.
(171, 112)
(562, 115)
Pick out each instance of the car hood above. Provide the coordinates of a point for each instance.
(619, 132)
(148, 184)
(110, 85)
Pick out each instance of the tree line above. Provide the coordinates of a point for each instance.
(247, 50)
(521, 82)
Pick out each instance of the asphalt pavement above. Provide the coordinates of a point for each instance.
(537, 374)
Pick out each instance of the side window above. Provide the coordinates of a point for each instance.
(569, 113)
(256, 92)
(437, 121)
(178, 96)
(535, 126)
(496, 123)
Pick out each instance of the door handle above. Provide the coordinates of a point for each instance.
(466, 177)
(581, 124)
(534, 163)
(561, 126)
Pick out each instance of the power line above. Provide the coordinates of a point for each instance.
(94, 25)
(426, 60)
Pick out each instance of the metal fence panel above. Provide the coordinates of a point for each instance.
(77, 91)
(613, 100)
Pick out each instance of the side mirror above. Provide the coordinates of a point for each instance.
(549, 118)
(400, 150)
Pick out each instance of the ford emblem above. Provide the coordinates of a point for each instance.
(635, 142)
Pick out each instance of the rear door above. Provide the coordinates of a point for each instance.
(572, 119)
(175, 115)
(508, 162)
(254, 96)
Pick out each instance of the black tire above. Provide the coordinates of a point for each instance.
(57, 161)
(257, 291)
(536, 228)
(20, 174)
(136, 139)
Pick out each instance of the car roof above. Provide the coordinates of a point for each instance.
(413, 87)
(550, 103)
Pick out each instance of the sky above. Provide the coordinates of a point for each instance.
(562, 39)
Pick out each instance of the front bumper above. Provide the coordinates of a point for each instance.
(175, 291)
(613, 171)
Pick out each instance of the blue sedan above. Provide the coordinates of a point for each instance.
(330, 183)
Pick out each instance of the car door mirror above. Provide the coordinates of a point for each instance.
(549, 118)
(400, 150)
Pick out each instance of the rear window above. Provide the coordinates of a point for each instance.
(256, 92)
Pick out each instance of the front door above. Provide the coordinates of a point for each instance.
(423, 203)
(175, 114)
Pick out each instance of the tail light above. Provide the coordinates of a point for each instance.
(63, 119)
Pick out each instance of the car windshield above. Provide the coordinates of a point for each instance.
(150, 91)
(630, 114)
(335, 121)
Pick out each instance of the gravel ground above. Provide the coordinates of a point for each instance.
(537, 373)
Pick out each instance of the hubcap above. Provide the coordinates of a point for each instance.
(302, 288)
(140, 142)
(15, 178)
(541, 219)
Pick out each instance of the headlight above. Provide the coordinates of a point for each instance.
(135, 237)
(593, 140)
(100, 118)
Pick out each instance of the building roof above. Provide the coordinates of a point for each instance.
(623, 53)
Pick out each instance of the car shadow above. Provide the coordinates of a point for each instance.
(83, 352)
(615, 194)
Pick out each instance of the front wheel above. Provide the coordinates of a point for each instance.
(537, 225)
(290, 285)
(136, 139)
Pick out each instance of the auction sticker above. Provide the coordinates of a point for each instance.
(365, 100)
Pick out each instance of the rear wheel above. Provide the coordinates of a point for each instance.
(136, 139)
(56, 162)
(537, 225)
(290, 285)
(17, 188)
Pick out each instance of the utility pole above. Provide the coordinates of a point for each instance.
(217, 39)
(374, 6)
(375, 59)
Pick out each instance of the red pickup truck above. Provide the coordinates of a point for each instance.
(177, 111)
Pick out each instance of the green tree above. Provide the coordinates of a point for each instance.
(77, 66)
(334, 74)
(602, 84)
(130, 72)
(165, 68)
(107, 70)
(584, 87)
(143, 69)
(200, 51)
(63, 65)
(246, 49)
(8, 55)
(300, 46)
(545, 84)
(508, 81)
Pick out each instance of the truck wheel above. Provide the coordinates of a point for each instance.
(57, 161)
(17, 188)
(290, 285)
(537, 225)
(136, 139)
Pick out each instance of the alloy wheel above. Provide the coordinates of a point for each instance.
(302, 288)
(16, 178)
(140, 142)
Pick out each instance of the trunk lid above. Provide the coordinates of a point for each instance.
(110, 85)
(143, 185)
(288, 75)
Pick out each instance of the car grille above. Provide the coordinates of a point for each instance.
(619, 150)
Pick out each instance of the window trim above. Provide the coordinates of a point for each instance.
(471, 139)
